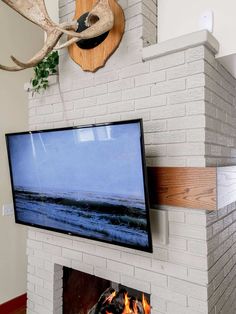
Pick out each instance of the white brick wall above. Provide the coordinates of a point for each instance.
(220, 114)
(175, 274)
(220, 151)
(172, 109)
(221, 227)
(186, 100)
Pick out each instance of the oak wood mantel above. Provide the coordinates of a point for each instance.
(207, 188)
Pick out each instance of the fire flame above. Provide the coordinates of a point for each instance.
(134, 307)
(127, 308)
(146, 306)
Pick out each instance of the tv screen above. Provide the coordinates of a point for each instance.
(86, 181)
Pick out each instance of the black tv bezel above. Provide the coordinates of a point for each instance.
(149, 249)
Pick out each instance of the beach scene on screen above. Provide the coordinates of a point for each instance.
(85, 181)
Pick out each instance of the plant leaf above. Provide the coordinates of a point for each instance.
(42, 71)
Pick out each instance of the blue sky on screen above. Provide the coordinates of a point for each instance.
(103, 159)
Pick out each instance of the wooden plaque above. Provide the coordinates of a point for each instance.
(95, 58)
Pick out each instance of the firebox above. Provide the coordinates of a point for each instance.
(88, 294)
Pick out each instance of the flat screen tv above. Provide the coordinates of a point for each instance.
(88, 181)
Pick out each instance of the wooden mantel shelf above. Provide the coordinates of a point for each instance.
(207, 188)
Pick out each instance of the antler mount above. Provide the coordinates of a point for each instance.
(113, 29)
(100, 20)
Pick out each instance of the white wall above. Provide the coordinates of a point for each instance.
(21, 38)
(52, 8)
(176, 18)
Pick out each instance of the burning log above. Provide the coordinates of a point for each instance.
(112, 302)
(136, 306)
(106, 297)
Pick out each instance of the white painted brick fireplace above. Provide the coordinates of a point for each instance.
(187, 102)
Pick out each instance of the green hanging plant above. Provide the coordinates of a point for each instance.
(48, 66)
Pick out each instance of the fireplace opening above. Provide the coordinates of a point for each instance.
(88, 294)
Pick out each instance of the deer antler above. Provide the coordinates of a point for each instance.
(35, 11)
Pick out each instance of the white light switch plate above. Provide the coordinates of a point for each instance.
(7, 210)
(206, 20)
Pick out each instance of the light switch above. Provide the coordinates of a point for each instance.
(206, 20)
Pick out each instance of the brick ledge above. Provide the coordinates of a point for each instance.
(198, 38)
